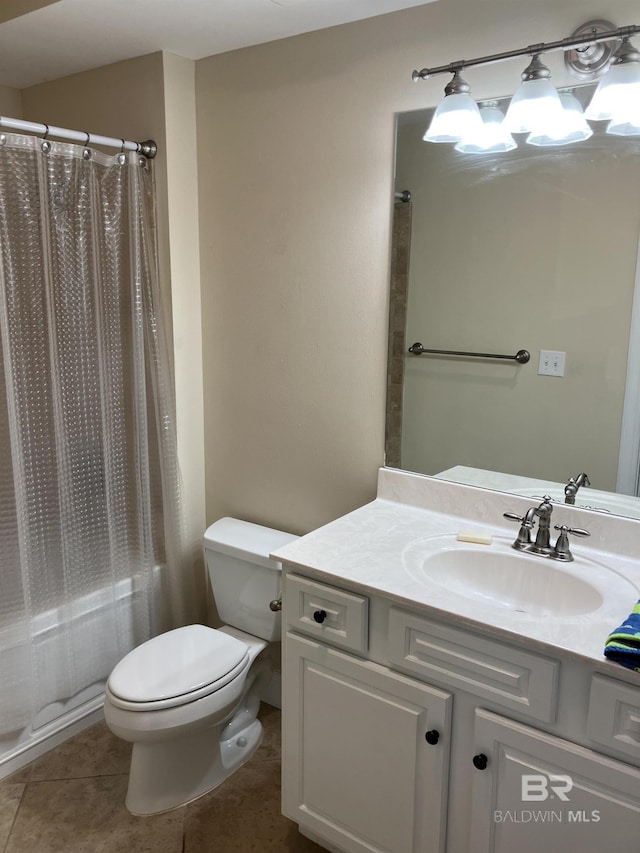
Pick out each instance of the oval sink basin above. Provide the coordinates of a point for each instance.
(508, 580)
(498, 576)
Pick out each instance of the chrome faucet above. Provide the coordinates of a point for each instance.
(573, 484)
(542, 544)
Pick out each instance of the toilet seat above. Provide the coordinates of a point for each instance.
(176, 668)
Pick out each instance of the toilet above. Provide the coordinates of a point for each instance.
(188, 699)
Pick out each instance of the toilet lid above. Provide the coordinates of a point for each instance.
(176, 663)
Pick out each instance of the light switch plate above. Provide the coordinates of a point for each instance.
(551, 363)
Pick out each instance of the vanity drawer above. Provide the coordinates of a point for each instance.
(511, 678)
(614, 715)
(333, 615)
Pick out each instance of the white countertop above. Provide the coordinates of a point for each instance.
(372, 548)
(586, 498)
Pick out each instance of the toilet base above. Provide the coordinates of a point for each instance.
(168, 775)
(180, 753)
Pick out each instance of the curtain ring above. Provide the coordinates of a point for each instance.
(46, 145)
(122, 157)
(86, 154)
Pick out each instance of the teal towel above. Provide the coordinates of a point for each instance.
(623, 644)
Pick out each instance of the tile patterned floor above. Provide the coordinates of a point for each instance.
(72, 801)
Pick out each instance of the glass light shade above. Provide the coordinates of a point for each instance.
(571, 126)
(457, 116)
(534, 108)
(491, 136)
(627, 126)
(617, 93)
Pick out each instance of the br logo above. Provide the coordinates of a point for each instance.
(536, 787)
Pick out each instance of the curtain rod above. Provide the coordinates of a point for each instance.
(530, 50)
(148, 149)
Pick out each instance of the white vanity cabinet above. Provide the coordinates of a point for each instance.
(543, 793)
(403, 733)
(359, 768)
(365, 749)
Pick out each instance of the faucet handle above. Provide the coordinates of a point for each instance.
(562, 550)
(576, 531)
(512, 516)
(523, 539)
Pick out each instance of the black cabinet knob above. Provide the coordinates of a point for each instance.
(319, 615)
(480, 761)
(432, 737)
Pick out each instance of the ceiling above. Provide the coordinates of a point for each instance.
(46, 39)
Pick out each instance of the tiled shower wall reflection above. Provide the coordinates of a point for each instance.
(400, 252)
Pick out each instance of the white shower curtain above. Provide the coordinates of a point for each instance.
(91, 559)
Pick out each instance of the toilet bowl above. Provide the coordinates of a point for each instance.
(188, 699)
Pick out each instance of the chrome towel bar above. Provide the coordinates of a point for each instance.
(522, 356)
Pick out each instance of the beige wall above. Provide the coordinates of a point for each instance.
(183, 234)
(10, 102)
(15, 8)
(296, 150)
(540, 256)
(153, 97)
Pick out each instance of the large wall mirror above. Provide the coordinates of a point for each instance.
(534, 249)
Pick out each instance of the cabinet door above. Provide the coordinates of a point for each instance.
(541, 793)
(358, 769)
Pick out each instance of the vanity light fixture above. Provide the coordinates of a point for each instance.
(629, 126)
(491, 136)
(572, 126)
(624, 71)
(457, 116)
(617, 98)
(549, 118)
(535, 106)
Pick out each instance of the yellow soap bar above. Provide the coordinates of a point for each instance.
(475, 536)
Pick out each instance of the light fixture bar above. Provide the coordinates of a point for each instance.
(568, 43)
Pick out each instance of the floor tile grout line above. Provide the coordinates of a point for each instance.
(15, 818)
(77, 778)
(6, 780)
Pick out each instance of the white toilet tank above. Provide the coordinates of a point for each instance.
(243, 578)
